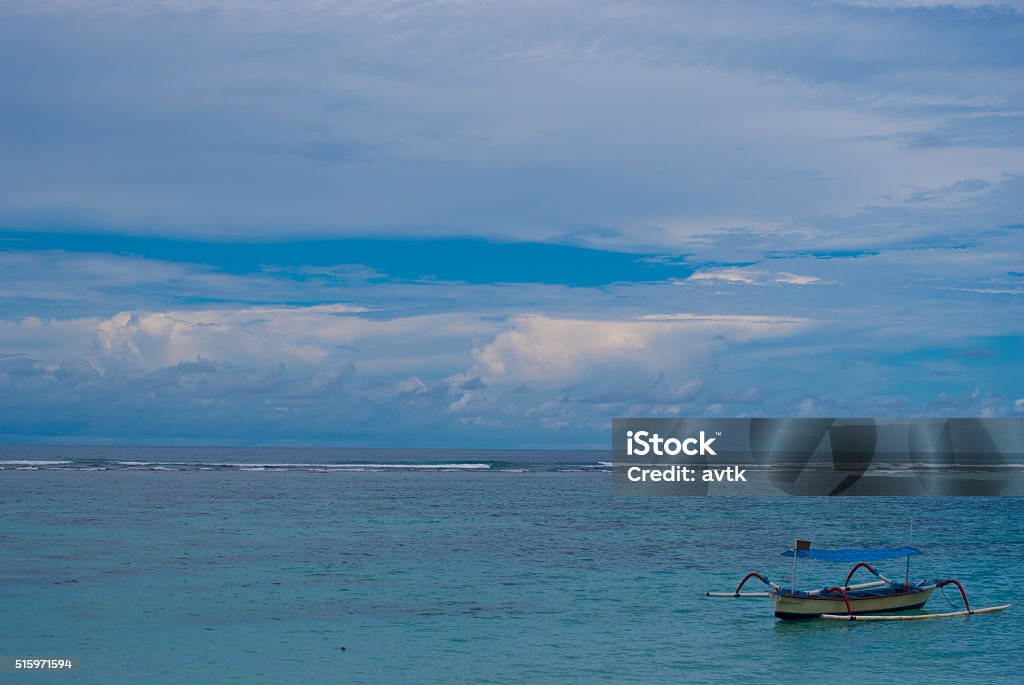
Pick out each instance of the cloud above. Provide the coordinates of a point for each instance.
(328, 373)
(310, 336)
(803, 208)
(796, 279)
(150, 340)
(540, 349)
(926, 4)
(573, 122)
(749, 276)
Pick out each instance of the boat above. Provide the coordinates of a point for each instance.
(875, 600)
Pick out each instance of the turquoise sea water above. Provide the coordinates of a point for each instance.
(529, 572)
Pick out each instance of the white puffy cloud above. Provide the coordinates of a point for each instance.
(540, 349)
(251, 335)
(306, 336)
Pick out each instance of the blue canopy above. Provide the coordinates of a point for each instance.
(853, 554)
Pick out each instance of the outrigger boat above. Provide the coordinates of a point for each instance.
(861, 602)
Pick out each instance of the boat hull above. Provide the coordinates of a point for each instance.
(792, 607)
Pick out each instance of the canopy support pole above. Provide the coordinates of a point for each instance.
(795, 545)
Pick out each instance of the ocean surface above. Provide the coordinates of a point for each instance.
(227, 565)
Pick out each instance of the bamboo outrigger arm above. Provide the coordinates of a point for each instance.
(916, 617)
(743, 582)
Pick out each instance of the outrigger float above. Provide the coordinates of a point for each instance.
(862, 602)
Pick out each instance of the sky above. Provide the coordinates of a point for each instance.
(501, 224)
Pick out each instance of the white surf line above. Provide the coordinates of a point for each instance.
(33, 462)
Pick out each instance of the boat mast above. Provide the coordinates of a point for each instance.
(910, 536)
